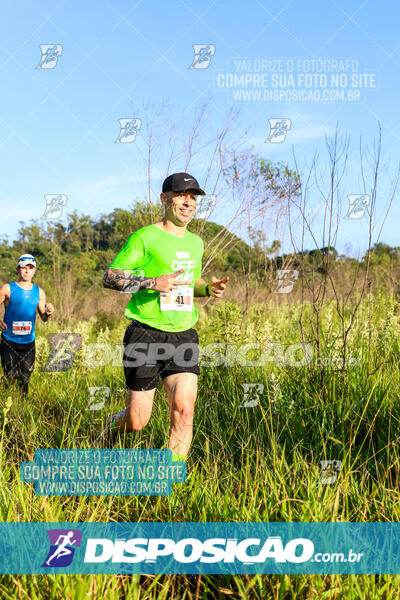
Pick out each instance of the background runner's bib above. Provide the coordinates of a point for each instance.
(20, 314)
(21, 327)
(157, 252)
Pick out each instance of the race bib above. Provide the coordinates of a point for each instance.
(179, 299)
(21, 327)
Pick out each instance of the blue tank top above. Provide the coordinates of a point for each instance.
(20, 314)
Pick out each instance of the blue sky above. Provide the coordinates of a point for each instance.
(123, 59)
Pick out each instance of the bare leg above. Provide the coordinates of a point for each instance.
(137, 413)
(182, 391)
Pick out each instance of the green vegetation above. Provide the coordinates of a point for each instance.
(264, 467)
(72, 258)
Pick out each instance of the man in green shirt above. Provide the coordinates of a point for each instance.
(161, 340)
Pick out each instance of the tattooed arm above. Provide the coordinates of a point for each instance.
(123, 281)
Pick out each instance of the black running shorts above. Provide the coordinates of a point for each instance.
(17, 361)
(150, 353)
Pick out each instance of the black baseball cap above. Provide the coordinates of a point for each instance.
(182, 182)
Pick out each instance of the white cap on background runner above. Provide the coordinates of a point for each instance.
(26, 259)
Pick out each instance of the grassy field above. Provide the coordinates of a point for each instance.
(246, 464)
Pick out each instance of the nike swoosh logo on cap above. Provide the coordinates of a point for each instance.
(187, 179)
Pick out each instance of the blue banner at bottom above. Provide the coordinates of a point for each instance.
(190, 548)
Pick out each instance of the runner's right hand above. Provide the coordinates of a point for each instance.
(2, 325)
(167, 283)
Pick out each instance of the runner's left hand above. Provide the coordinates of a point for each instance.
(48, 309)
(217, 286)
(2, 325)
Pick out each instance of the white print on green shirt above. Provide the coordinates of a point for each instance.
(188, 265)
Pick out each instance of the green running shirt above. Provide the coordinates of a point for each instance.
(157, 252)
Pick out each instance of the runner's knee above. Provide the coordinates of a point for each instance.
(135, 422)
(137, 418)
(183, 414)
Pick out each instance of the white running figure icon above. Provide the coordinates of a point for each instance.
(62, 550)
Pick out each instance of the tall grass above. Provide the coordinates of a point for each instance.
(246, 464)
